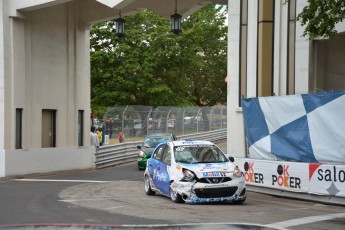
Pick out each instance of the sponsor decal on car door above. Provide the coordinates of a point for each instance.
(161, 177)
(158, 169)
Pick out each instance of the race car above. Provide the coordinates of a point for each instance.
(149, 144)
(193, 172)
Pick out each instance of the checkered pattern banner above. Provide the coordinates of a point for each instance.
(302, 128)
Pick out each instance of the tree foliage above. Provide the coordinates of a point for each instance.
(320, 17)
(152, 66)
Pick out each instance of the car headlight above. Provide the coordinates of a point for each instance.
(237, 172)
(187, 175)
(141, 154)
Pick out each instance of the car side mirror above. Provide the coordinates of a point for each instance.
(139, 147)
(231, 159)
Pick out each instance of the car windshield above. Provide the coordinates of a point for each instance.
(153, 141)
(199, 154)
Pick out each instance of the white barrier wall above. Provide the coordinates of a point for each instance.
(2, 163)
(311, 178)
(30, 161)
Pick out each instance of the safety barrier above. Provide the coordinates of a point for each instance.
(111, 155)
(139, 120)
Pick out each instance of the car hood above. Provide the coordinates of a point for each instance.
(147, 150)
(210, 169)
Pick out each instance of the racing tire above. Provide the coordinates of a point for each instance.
(148, 189)
(175, 197)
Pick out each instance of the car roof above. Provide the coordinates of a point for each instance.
(191, 142)
(158, 134)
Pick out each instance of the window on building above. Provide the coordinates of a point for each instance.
(80, 127)
(290, 88)
(19, 126)
(265, 48)
(243, 50)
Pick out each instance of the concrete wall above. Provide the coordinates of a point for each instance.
(22, 162)
(280, 49)
(52, 80)
(302, 75)
(335, 68)
(2, 163)
(44, 64)
(236, 146)
(2, 73)
(252, 48)
(328, 64)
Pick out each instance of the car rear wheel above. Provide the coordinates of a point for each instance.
(175, 197)
(148, 189)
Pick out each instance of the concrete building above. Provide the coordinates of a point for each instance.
(45, 78)
(45, 71)
(268, 56)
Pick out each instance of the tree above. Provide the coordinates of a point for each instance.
(152, 66)
(122, 68)
(320, 17)
(208, 66)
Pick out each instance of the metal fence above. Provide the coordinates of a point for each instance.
(138, 121)
(111, 155)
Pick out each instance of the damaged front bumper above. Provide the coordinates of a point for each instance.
(196, 192)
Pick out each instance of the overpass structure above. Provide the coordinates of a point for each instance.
(45, 78)
(45, 71)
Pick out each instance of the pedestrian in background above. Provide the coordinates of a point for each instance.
(109, 126)
(121, 136)
(94, 138)
(100, 136)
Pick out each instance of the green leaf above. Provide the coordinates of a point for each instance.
(152, 66)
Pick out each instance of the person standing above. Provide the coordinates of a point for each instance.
(109, 126)
(100, 136)
(94, 138)
(121, 136)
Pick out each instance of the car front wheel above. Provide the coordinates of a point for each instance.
(148, 189)
(175, 197)
(239, 201)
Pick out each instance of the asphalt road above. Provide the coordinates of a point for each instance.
(115, 196)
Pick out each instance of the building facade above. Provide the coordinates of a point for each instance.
(45, 78)
(267, 56)
(45, 71)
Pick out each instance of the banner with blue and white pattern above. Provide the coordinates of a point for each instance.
(302, 128)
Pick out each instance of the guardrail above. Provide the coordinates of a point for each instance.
(111, 155)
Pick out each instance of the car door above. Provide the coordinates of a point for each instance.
(158, 170)
(165, 165)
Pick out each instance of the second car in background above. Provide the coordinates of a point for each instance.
(149, 144)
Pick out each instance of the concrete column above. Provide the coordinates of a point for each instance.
(235, 131)
(2, 79)
(265, 48)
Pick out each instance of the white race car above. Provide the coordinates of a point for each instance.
(193, 172)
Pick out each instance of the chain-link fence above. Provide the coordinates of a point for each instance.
(138, 121)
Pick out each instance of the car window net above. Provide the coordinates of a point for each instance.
(198, 154)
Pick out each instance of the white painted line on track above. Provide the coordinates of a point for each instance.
(305, 220)
(114, 207)
(69, 201)
(81, 181)
(294, 209)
